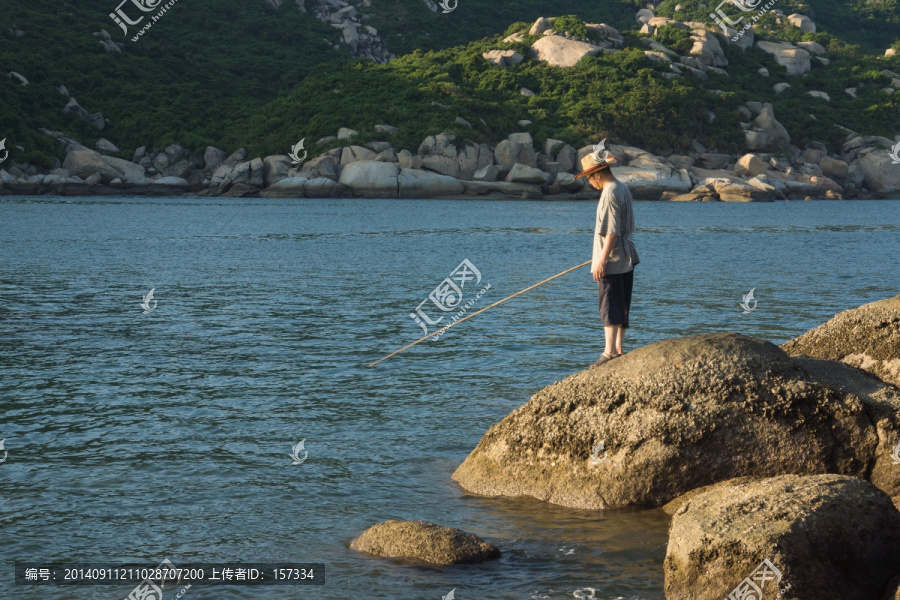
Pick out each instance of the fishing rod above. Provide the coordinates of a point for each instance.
(478, 312)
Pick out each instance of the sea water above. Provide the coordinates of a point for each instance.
(136, 435)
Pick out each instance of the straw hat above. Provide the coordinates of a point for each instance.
(599, 159)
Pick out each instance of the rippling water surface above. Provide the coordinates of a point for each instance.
(138, 437)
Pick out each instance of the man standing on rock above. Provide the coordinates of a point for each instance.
(614, 256)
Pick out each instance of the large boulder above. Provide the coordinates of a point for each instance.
(236, 157)
(473, 158)
(802, 22)
(644, 15)
(345, 133)
(540, 26)
(423, 541)
(503, 58)
(867, 337)
(388, 129)
(732, 189)
(371, 179)
(84, 163)
(487, 174)
(414, 183)
(522, 174)
(743, 39)
(212, 158)
(565, 157)
(287, 187)
(750, 164)
(707, 48)
(321, 166)
(650, 182)
(882, 174)
(568, 182)
(812, 47)
(354, 153)
(834, 168)
(563, 52)
(323, 187)
(714, 160)
(275, 168)
(776, 136)
(440, 155)
(183, 168)
(813, 537)
(521, 137)
(676, 415)
(257, 173)
(794, 59)
(239, 175)
(507, 153)
(882, 402)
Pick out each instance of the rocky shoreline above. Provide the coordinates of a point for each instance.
(445, 167)
(780, 466)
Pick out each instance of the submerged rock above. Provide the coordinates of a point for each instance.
(420, 540)
(674, 416)
(867, 337)
(823, 536)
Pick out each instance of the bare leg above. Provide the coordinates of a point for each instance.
(620, 337)
(611, 334)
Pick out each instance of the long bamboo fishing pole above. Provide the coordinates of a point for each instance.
(498, 302)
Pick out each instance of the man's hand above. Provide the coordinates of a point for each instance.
(599, 271)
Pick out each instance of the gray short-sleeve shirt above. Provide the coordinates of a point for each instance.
(615, 215)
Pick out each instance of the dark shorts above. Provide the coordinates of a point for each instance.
(615, 298)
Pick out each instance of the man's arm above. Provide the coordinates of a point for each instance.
(609, 242)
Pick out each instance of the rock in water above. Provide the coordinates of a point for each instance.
(420, 540)
(867, 337)
(675, 416)
(824, 536)
(371, 179)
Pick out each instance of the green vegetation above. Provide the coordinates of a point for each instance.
(675, 39)
(619, 95)
(872, 24)
(615, 95)
(199, 69)
(204, 75)
(407, 25)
